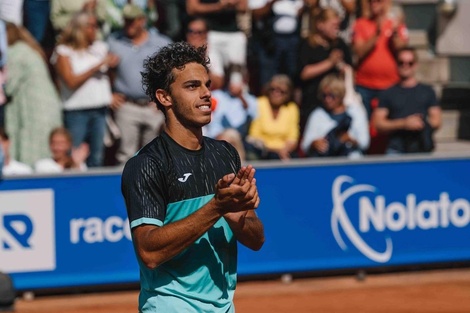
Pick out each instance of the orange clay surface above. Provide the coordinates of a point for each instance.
(425, 291)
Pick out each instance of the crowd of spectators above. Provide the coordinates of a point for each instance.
(297, 79)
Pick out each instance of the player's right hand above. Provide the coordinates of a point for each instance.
(236, 193)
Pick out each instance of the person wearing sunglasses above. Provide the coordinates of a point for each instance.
(408, 112)
(274, 133)
(335, 129)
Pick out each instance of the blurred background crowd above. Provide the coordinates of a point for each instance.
(290, 79)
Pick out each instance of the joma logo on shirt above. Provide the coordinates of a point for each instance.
(185, 177)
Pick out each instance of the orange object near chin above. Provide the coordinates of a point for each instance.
(213, 104)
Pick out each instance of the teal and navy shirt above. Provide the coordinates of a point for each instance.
(162, 184)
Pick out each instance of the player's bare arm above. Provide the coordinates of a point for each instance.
(246, 225)
(156, 245)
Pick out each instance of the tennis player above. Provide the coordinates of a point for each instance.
(188, 198)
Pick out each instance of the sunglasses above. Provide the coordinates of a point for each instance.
(403, 63)
(329, 95)
(196, 31)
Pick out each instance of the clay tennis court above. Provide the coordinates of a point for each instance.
(424, 291)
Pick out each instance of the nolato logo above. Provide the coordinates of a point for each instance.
(27, 240)
(394, 216)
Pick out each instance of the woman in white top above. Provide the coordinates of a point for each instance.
(335, 129)
(82, 62)
(63, 157)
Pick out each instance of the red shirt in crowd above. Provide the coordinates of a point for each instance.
(378, 70)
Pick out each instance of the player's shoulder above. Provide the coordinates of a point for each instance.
(220, 147)
(149, 158)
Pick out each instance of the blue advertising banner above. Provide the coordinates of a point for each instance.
(72, 230)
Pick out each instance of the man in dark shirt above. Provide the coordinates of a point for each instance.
(188, 198)
(408, 111)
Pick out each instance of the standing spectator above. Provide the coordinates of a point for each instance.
(63, 156)
(196, 35)
(274, 133)
(82, 63)
(10, 165)
(335, 129)
(225, 39)
(322, 53)
(275, 37)
(33, 97)
(375, 40)
(138, 119)
(408, 112)
(231, 120)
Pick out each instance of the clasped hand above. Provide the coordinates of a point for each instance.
(237, 193)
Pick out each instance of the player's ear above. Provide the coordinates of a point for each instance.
(163, 97)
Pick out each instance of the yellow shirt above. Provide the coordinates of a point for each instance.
(275, 132)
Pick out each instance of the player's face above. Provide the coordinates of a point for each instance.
(191, 96)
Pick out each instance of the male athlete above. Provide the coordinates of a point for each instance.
(188, 199)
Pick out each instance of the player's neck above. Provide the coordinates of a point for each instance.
(189, 138)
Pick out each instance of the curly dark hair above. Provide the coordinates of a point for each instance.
(158, 68)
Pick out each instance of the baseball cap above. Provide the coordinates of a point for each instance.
(132, 11)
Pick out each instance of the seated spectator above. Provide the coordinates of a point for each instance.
(335, 129)
(63, 156)
(408, 112)
(322, 53)
(274, 133)
(82, 62)
(34, 108)
(196, 35)
(11, 166)
(235, 110)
